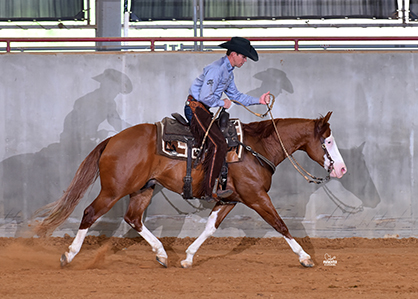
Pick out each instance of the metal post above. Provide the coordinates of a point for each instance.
(88, 12)
(108, 23)
(201, 12)
(126, 23)
(402, 10)
(195, 22)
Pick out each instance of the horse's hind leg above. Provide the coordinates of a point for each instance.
(138, 203)
(216, 216)
(100, 206)
(74, 248)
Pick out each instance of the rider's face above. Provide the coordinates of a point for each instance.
(237, 60)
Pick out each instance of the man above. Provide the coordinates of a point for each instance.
(206, 92)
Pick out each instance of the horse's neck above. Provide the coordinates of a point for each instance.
(293, 134)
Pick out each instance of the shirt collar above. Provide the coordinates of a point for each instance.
(229, 67)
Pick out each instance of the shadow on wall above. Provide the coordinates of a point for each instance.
(273, 80)
(291, 193)
(33, 180)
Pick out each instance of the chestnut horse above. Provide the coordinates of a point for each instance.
(128, 164)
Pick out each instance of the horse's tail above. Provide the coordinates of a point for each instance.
(57, 212)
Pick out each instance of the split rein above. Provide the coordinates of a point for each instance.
(305, 174)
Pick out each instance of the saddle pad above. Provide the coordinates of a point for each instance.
(172, 140)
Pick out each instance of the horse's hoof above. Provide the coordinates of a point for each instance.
(162, 261)
(307, 263)
(186, 264)
(63, 260)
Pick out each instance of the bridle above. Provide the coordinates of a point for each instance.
(305, 174)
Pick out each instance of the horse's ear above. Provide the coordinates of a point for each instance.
(327, 117)
(361, 147)
(322, 124)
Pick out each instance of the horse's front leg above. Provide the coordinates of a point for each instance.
(304, 258)
(264, 207)
(217, 215)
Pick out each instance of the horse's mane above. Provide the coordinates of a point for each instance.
(265, 129)
(261, 129)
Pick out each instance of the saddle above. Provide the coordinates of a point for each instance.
(175, 140)
(173, 135)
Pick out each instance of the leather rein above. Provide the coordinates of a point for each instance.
(305, 174)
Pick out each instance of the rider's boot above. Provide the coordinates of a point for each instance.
(218, 196)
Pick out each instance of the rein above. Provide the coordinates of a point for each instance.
(306, 175)
(269, 107)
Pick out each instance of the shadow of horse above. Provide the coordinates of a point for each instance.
(348, 196)
(33, 180)
(291, 193)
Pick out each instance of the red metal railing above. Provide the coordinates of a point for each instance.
(153, 40)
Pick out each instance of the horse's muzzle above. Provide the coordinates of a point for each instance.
(338, 171)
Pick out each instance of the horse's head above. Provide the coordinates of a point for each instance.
(324, 149)
(359, 181)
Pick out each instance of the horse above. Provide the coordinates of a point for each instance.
(128, 164)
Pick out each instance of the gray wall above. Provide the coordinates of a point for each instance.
(56, 107)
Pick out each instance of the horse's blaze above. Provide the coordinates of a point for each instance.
(338, 167)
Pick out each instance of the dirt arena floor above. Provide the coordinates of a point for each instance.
(223, 268)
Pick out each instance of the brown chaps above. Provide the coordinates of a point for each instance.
(215, 143)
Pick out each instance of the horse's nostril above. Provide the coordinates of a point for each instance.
(343, 170)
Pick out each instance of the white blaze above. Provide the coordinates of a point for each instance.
(339, 168)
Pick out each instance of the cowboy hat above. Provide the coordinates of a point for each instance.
(116, 77)
(241, 46)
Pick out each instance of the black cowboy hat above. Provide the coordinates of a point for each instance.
(241, 46)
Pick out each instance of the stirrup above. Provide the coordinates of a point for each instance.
(219, 196)
(224, 193)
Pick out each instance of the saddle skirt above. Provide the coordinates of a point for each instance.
(172, 138)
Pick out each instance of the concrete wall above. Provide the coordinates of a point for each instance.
(56, 107)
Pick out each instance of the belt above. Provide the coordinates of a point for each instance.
(190, 98)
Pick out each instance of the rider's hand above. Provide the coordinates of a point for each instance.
(227, 103)
(265, 98)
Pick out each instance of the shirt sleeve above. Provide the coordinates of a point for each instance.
(233, 93)
(210, 82)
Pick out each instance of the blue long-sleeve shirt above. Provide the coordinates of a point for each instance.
(218, 77)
